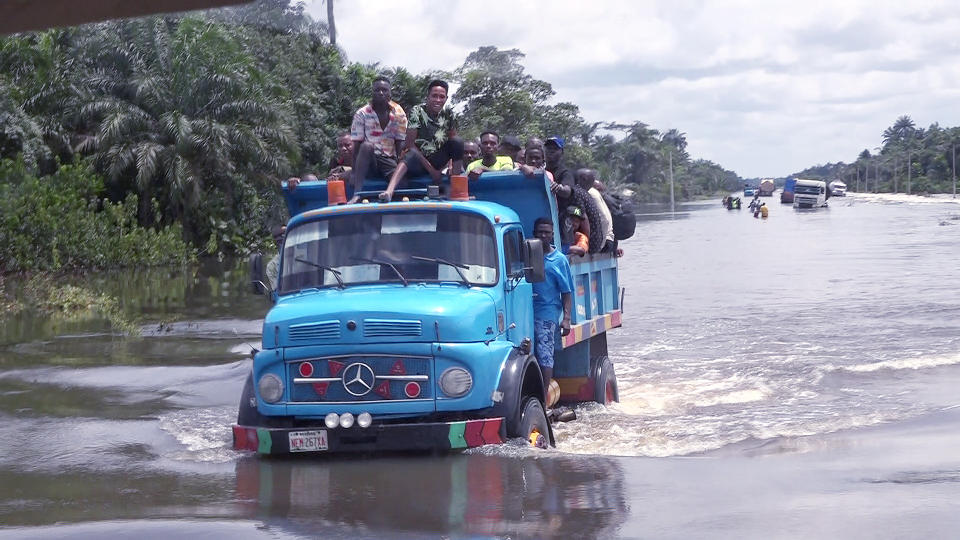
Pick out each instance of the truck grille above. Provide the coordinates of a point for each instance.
(315, 330)
(347, 379)
(391, 328)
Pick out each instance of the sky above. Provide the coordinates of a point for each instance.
(763, 88)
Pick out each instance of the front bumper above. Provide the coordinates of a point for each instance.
(378, 437)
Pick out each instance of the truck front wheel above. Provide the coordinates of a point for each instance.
(533, 424)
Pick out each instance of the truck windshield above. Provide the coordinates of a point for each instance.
(808, 190)
(390, 247)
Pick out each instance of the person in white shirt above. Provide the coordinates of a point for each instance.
(586, 179)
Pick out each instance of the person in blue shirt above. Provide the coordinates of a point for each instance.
(551, 299)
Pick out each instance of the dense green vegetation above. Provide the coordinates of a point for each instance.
(125, 142)
(909, 160)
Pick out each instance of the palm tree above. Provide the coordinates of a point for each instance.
(179, 114)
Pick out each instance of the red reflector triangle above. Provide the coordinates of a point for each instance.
(398, 368)
(321, 388)
(383, 389)
(335, 367)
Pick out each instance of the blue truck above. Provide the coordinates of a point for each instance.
(408, 325)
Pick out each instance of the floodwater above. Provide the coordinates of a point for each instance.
(793, 377)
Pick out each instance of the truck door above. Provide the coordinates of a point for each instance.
(518, 294)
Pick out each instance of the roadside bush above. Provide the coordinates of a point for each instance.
(61, 222)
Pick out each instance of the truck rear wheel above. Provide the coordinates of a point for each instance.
(533, 424)
(605, 391)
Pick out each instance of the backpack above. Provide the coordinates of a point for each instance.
(623, 213)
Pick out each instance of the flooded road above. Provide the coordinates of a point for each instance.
(788, 377)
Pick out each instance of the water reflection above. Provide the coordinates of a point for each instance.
(543, 497)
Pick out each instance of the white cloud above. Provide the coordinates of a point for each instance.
(763, 88)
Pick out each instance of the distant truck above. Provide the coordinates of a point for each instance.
(767, 187)
(786, 196)
(749, 191)
(838, 189)
(810, 194)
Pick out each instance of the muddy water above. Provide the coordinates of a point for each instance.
(790, 377)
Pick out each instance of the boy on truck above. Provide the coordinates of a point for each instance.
(550, 297)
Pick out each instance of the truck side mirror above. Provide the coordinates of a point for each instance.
(256, 274)
(533, 260)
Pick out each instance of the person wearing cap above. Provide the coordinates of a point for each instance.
(553, 152)
(489, 160)
(272, 270)
(431, 141)
(510, 146)
(581, 244)
(552, 298)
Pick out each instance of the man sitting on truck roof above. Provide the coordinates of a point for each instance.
(489, 160)
(378, 130)
(431, 141)
(551, 298)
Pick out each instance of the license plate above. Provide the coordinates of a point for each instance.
(308, 441)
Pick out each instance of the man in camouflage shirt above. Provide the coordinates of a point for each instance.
(431, 141)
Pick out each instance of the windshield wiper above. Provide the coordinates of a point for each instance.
(383, 263)
(334, 271)
(455, 266)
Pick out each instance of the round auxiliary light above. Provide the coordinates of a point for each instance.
(364, 419)
(306, 369)
(456, 382)
(346, 420)
(411, 389)
(271, 388)
(332, 420)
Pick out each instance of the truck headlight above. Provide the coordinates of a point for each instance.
(271, 388)
(456, 382)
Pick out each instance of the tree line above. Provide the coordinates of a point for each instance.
(190, 122)
(910, 159)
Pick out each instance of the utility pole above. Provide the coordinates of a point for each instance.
(896, 188)
(909, 171)
(858, 178)
(671, 182)
(954, 148)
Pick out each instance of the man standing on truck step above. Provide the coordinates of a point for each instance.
(379, 129)
(552, 298)
(431, 141)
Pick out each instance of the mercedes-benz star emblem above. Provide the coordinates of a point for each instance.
(358, 379)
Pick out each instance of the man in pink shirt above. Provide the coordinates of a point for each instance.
(378, 131)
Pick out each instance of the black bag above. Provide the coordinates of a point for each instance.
(623, 213)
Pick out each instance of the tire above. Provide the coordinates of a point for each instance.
(532, 418)
(605, 390)
(247, 414)
(583, 199)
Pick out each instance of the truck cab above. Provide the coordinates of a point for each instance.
(810, 194)
(408, 325)
(837, 189)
